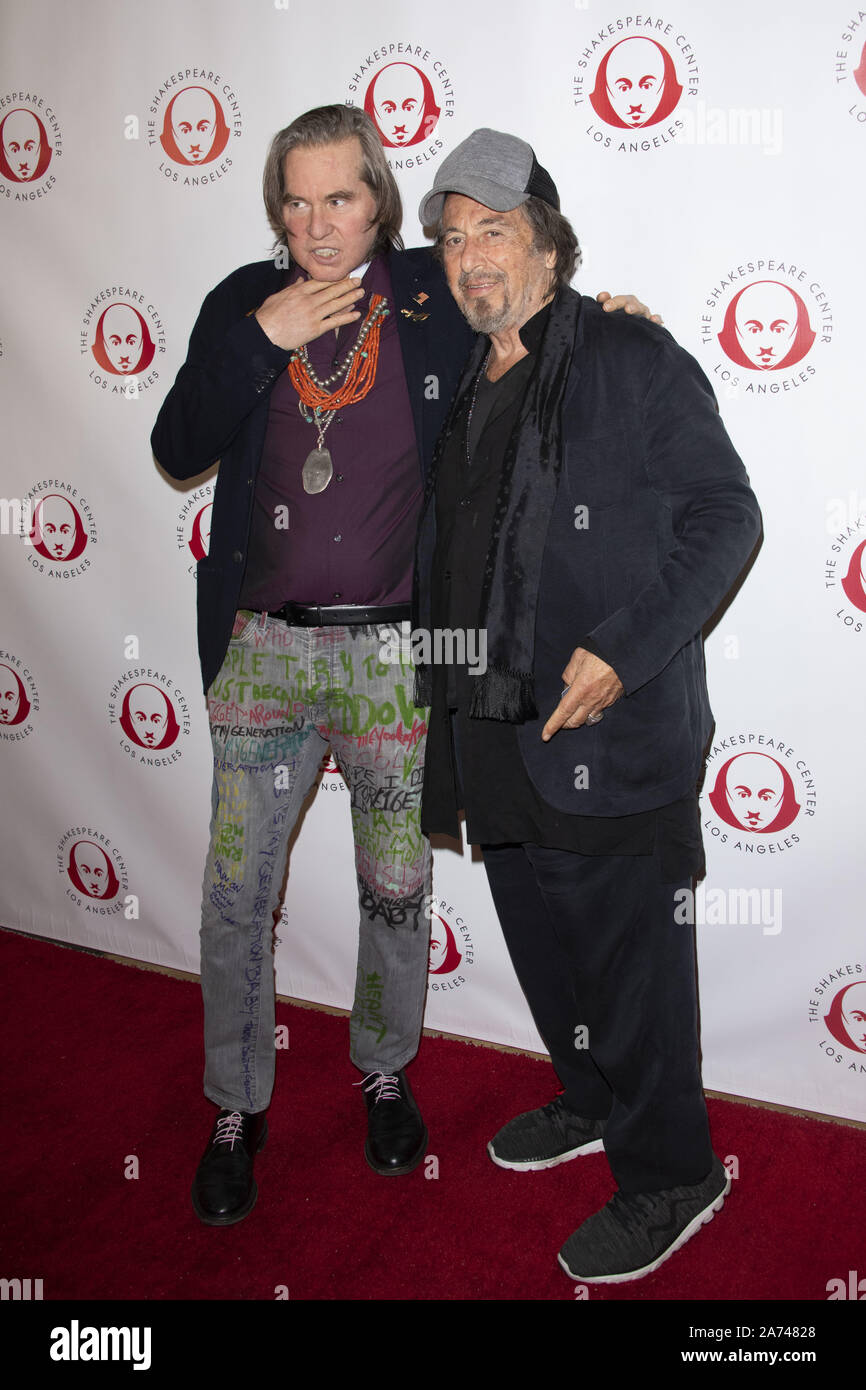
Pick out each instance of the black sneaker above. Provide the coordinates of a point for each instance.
(638, 1231)
(543, 1138)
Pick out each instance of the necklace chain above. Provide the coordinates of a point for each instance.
(479, 375)
(314, 397)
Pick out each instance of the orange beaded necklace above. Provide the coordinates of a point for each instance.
(319, 406)
(361, 373)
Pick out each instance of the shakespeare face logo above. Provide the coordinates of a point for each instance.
(766, 327)
(848, 60)
(25, 152)
(854, 583)
(847, 1017)
(199, 540)
(57, 531)
(754, 792)
(452, 953)
(151, 713)
(91, 871)
(636, 85)
(14, 704)
(19, 698)
(122, 343)
(401, 102)
(408, 94)
(444, 954)
(194, 129)
(147, 717)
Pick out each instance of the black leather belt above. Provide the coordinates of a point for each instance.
(309, 615)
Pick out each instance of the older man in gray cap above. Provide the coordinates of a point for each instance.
(589, 514)
(318, 408)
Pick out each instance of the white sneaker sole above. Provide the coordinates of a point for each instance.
(686, 1234)
(595, 1146)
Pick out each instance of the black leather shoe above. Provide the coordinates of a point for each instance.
(396, 1136)
(224, 1190)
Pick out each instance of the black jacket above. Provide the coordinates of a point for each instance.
(670, 522)
(217, 409)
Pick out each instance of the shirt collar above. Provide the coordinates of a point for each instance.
(532, 331)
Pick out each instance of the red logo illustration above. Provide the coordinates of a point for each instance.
(147, 717)
(766, 327)
(91, 870)
(636, 85)
(754, 792)
(847, 1017)
(444, 955)
(200, 537)
(14, 704)
(401, 103)
(860, 73)
(122, 343)
(24, 149)
(194, 130)
(854, 583)
(57, 531)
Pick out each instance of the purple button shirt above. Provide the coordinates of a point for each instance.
(354, 542)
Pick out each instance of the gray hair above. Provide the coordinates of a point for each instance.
(331, 125)
(553, 232)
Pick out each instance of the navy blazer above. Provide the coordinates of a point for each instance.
(652, 523)
(217, 409)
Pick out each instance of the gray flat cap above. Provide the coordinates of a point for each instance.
(495, 169)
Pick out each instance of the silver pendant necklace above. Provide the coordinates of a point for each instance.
(318, 467)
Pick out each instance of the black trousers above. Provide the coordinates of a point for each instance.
(610, 978)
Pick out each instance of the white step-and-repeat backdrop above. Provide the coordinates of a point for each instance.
(732, 202)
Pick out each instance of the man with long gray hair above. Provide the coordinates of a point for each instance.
(319, 380)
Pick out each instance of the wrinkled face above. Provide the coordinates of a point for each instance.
(766, 321)
(193, 123)
(10, 696)
(328, 211)
(755, 787)
(92, 868)
(635, 80)
(57, 526)
(398, 99)
(148, 714)
(854, 1014)
(497, 277)
(21, 142)
(121, 332)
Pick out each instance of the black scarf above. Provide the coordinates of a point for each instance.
(527, 490)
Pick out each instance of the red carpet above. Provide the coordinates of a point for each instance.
(105, 1068)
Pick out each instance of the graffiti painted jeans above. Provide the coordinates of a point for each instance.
(283, 695)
